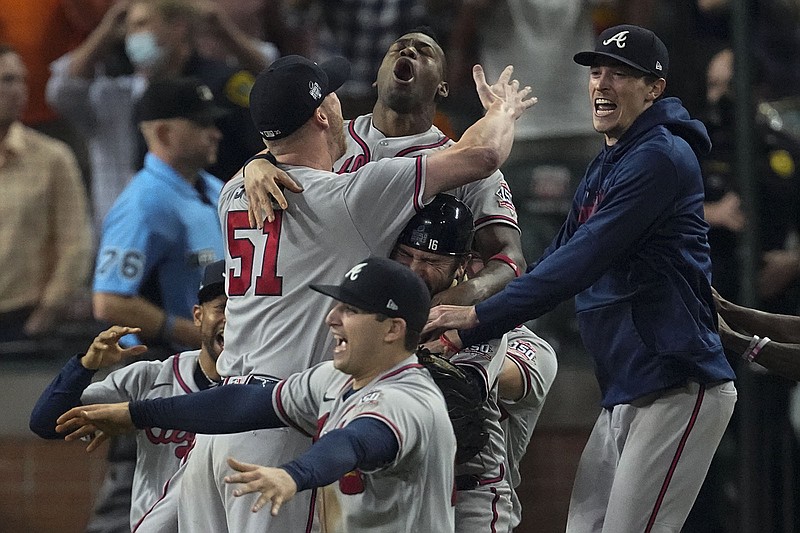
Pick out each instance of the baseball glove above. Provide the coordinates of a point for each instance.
(463, 393)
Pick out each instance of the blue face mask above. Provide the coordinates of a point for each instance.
(143, 50)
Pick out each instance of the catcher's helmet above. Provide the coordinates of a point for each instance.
(442, 227)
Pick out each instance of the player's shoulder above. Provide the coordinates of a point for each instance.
(410, 383)
(138, 376)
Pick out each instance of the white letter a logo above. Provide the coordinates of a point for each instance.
(618, 38)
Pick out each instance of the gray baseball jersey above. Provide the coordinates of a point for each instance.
(276, 325)
(411, 494)
(536, 361)
(487, 504)
(159, 451)
(489, 199)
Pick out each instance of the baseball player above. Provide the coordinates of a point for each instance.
(634, 252)
(273, 325)
(436, 244)
(410, 82)
(382, 459)
(528, 372)
(159, 451)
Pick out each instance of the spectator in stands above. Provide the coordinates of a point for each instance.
(45, 241)
(159, 41)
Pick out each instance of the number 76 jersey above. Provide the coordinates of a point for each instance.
(275, 323)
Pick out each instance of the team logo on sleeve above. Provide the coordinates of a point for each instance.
(523, 348)
(504, 200)
(485, 351)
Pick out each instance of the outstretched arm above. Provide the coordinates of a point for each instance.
(227, 409)
(501, 252)
(365, 444)
(64, 392)
(780, 358)
(264, 183)
(781, 328)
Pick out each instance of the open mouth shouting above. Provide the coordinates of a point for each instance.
(604, 107)
(340, 344)
(403, 70)
(219, 339)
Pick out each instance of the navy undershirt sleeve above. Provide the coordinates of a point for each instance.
(61, 395)
(365, 443)
(226, 409)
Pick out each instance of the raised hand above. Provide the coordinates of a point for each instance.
(504, 90)
(274, 484)
(106, 351)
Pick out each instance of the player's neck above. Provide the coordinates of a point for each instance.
(394, 124)
(304, 154)
(384, 362)
(208, 365)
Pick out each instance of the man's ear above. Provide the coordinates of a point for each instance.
(197, 314)
(396, 331)
(321, 117)
(443, 90)
(656, 89)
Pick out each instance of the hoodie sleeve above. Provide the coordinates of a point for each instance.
(642, 194)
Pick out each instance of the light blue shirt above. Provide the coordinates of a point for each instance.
(158, 238)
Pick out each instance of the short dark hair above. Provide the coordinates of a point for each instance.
(427, 30)
(411, 340)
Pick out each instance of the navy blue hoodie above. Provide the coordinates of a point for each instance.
(634, 252)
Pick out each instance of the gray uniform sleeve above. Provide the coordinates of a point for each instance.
(536, 361)
(407, 412)
(486, 358)
(132, 382)
(298, 398)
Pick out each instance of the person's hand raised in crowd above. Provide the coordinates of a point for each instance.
(779, 269)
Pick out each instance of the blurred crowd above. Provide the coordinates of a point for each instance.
(72, 71)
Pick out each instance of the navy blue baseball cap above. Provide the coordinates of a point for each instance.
(213, 283)
(635, 46)
(182, 97)
(380, 285)
(285, 94)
